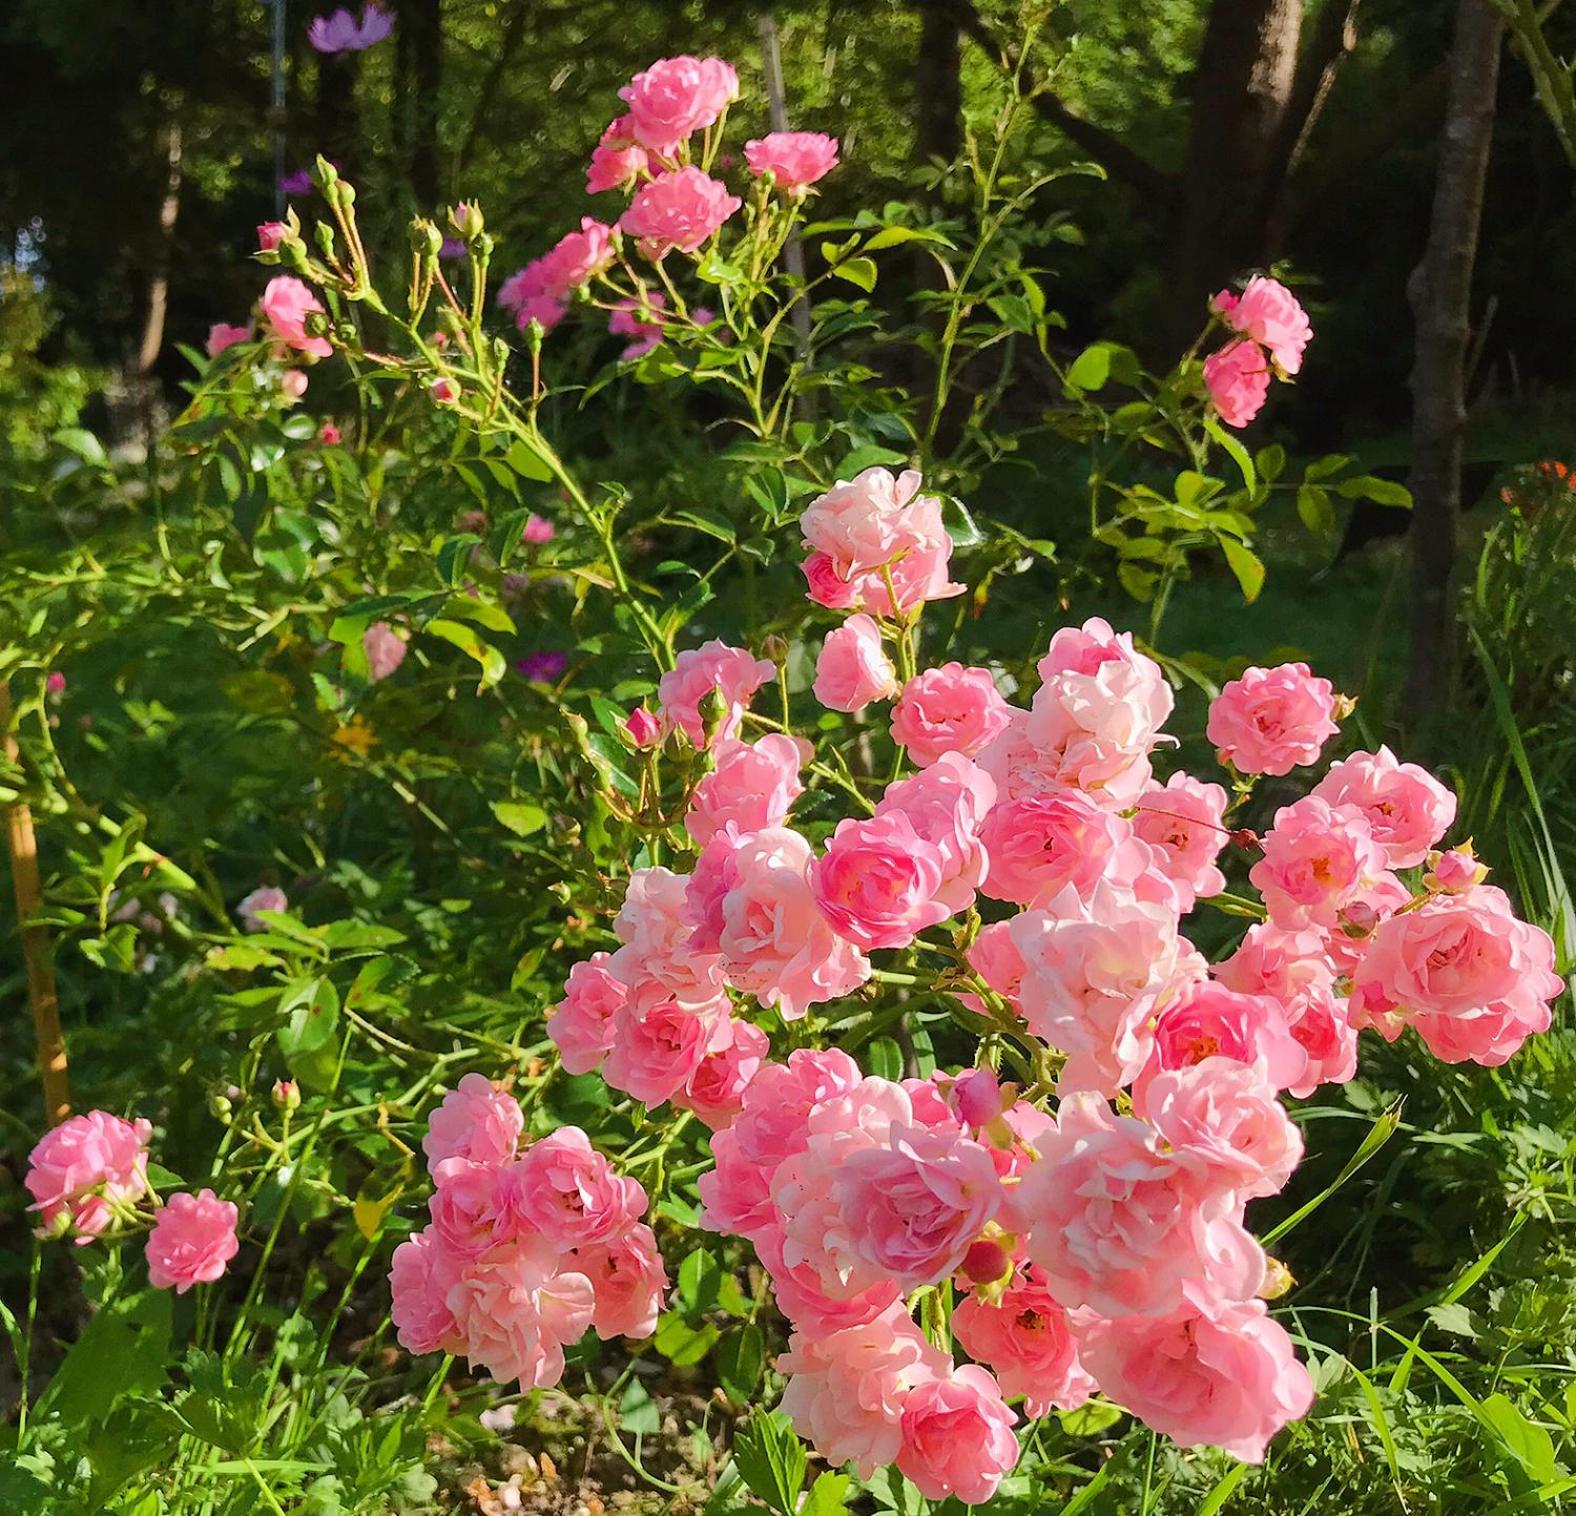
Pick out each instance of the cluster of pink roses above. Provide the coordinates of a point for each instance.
(677, 204)
(1271, 330)
(89, 1176)
(528, 1246)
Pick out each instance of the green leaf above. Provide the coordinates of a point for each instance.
(827, 1496)
(454, 557)
(1235, 451)
(700, 1282)
(312, 1011)
(858, 271)
(520, 816)
(772, 1460)
(527, 462)
(1246, 565)
(740, 1360)
(1380, 491)
(1529, 1443)
(1091, 368)
(124, 1350)
(1315, 509)
(465, 638)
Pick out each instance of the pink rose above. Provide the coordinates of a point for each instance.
(1238, 381)
(1271, 720)
(270, 234)
(853, 668)
(754, 785)
(1041, 845)
(293, 385)
(1024, 1338)
(715, 1091)
(716, 872)
(82, 1169)
(517, 1313)
(736, 1195)
(638, 317)
(776, 944)
(1124, 1228)
(995, 958)
(657, 1047)
(618, 161)
(537, 530)
(795, 159)
(266, 897)
(192, 1241)
(384, 648)
(569, 1193)
(1454, 873)
(221, 336)
(526, 294)
(1185, 820)
(424, 1270)
(1318, 858)
(1408, 810)
(1207, 1020)
(957, 1436)
(675, 98)
(860, 523)
(778, 1103)
(577, 258)
(645, 731)
(475, 1120)
(714, 666)
(949, 805)
(628, 1282)
(582, 1022)
(915, 1205)
(285, 305)
(1225, 1377)
(1268, 313)
(847, 1389)
(470, 1208)
(800, 1297)
(951, 709)
(678, 209)
(877, 882)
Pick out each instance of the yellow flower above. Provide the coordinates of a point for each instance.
(356, 736)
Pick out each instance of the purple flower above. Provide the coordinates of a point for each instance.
(544, 668)
(339, 33)
(298, 183)
(452, 248)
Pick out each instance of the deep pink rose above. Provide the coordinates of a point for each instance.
(638, 317)
(1208, 1020)
(577, 258)
(950, 709)
(582, 1022)
(192, 1241)
(1272, 720)
(678, 209)
(949, 804)
(795, 159)
(618, 161)
(1238, 381)
(656, 1048)
(1041, 845)
(567, 1191)
(877, 882)
(82, 1168)
(957, 1436)
(715, 1091)
(853, 668)
(675, 98)
(714, 666)
(221, 336)
(285, 305)
(1269, 314)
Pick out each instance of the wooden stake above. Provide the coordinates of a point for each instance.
(41, 995)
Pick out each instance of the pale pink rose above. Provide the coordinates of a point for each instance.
(1093, 970)
(192, 1241)
(517, 1313)
(424, 1270)
(638, 317)
(657, 1047)
(918, 573)
(916, 1204)
(293, 385)
(754, 785)
(285, 305)
(1272, 720)
(716, 872)
(995, 958)
(949, 804)
(221, 336)
(800, 1297)
(853, 668)
(660, 959)
(877, 882)
(795, 159)
(1024, 1338)
(1184, 819)
(776, 943)
(1318, 858)
(582, 1022)
(847, 1389)
(715, 1091)
(736, 1195)
(678, 209)
(645, 731)
(475, 1120)
(1123, 1228)
(1238, 381)
(858, 522)
(950, 709)
(1042, 845)
(617, 161)
(1226, 1377)
(385, 650)
(774, 1122)
(1454, 873)
(1268, 313)
(1207, 1020)
(267, 897)
(696, 673)
(675, 98)
(957, 1436)
(628, 1281)
(567, 1191)
(1472, 979)
(1408, 809)
(82, 1168)
(1226, 1115)
(470, 1207)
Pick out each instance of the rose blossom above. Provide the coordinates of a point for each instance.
(1268, 313)
(951, 709)
(696, 673)
(270, 234)
(1454, 873)
(617, 161)
(957, 1436)
(577, 257)
(858, 523)
(780, 1098)
(423, 1272)
(78, 1170)
(569, 1193)
(293, 385)
(715, 1091)
(470, 1207)
(1040, 845)
(384, 648)
(1238, 381)
(221, 336)
(659, 959)
(877, 882)
(995, 958)
(267, 897)
(517, 1313)
(1408, 810)
(753, 785)
(582, 1022)
(285, 305)
(192, 1241)
(1184, 819)
(1226, 1377)
(475, 1120)
(795, 159)
(678, 209)
(948, 805)
(676, 97)
(1025, 1339)
(628, 1281)
(1272, 720)
(657, 1047)
(1208, 1020)
(645, 731)
(638, 317)
(1318, 858)
(853, 668)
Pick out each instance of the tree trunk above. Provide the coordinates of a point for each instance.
(421, 22)
(142, 401)
(1440, 292)
(938, 84)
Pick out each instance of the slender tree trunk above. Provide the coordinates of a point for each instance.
(938, 83)
(1440, 292)
(142, 398)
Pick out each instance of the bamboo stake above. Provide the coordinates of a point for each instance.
(41, 994)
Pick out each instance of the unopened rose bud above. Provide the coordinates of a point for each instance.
(425, 237)
(1278, 1280)
(329, 434)
(324, 174)
(1344, 706)
(986, 1261)
(1244, 837)
(1454, 873)
(977, 1096)
(221, 1105)
(55, 684)
(714, 710)
(467, 220)
(270, 234)
(444, 391)
(1359, 919)
(287, 1094)
(775, 648)
(643, 729)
